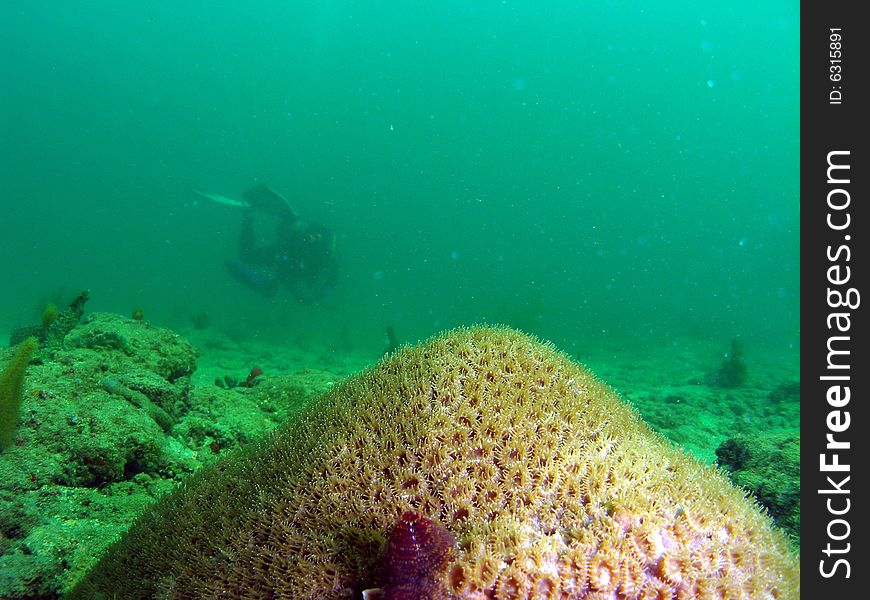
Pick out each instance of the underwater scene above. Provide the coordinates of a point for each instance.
(395, 300)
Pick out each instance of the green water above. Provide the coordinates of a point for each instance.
(620, 178)
(576, 169)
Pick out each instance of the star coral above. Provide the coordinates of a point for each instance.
(550, 484)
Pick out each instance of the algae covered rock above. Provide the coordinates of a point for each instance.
(91, 429)
(102, 403)
(768, 466)
(54, 326)
(550, 485)
(152, 348)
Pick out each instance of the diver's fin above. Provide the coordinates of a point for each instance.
(264, 198)
(221, 199)
(260, 280)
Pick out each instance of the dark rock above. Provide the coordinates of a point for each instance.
(733, 454)
(787, 392)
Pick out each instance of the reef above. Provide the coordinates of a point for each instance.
(549, 484)
(768, 465)
(54, 327)
(109, 420)
(229, 382)
(732, 371)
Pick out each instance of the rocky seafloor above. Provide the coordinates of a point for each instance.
(124, 409)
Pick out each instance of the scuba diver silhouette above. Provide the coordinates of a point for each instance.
(299, 256)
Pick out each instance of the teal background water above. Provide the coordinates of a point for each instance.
(575, 169)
